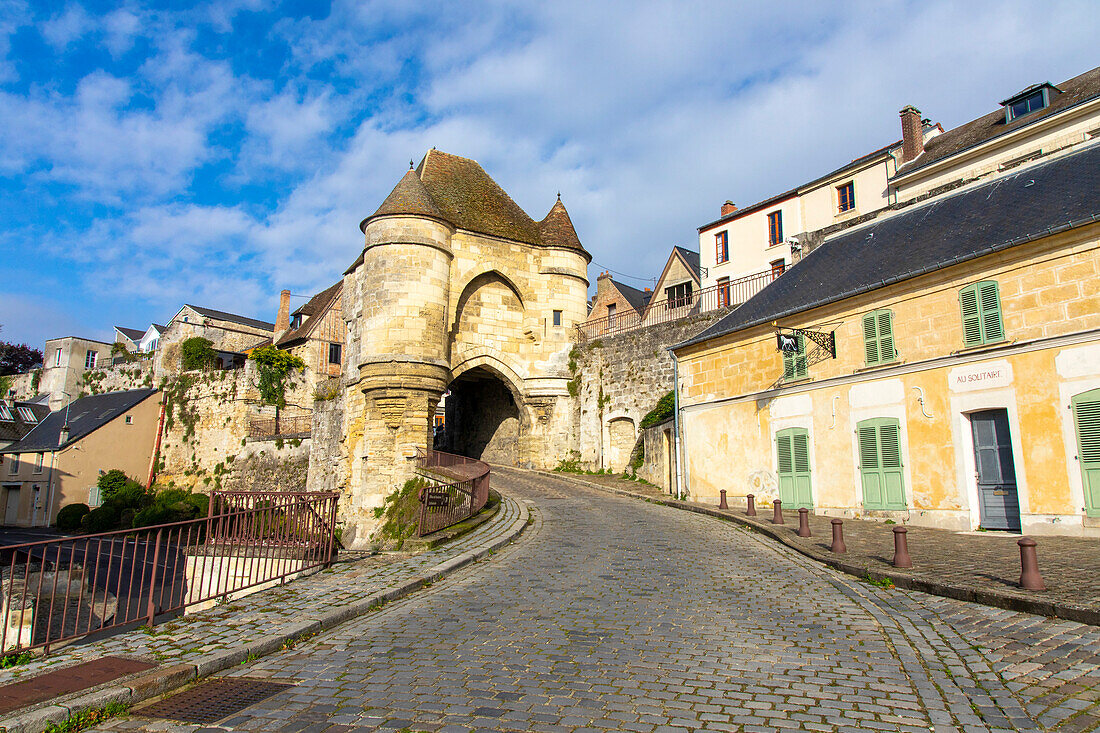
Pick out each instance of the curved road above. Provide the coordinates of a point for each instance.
(611, 613)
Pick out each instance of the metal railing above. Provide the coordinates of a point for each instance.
(723, 295)
(271, 427)
(56, 590)
(452, 501)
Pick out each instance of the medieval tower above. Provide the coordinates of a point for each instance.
(457, 291)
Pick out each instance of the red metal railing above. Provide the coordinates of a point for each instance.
(270, 427)
(723, 295)
(450, 502)
(57, 590)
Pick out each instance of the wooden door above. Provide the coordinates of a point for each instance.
(998, 502)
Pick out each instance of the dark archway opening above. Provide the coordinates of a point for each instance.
(481, 419)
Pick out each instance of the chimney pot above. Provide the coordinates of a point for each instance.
(282, 321)
(912, 133)
(728, 208)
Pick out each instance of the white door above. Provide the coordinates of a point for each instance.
(11, 506)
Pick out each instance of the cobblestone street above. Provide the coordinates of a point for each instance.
(610, 613)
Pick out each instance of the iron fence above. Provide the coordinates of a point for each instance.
(723, 295)
(271, 427)
(452, 501)
(57, 590)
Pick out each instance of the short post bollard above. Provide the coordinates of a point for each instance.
(777, 512)
(804, 522)
(901, 548)
(751, 511)
(838, 545)
(1029, 565)
(722, 504)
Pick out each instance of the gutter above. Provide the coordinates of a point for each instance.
(942, 264)
(676, 424)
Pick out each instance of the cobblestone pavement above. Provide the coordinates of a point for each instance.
(270, 612)
(988, 561)
(614, 614)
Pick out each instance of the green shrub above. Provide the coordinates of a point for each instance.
(68, 518)
(103, 519)
(664, 409)
(197, 353)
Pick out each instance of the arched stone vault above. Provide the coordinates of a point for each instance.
(456, 284)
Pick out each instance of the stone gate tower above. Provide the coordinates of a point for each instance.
(457, 289)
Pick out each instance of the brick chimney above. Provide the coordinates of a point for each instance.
(603, 283)
(282, 321)
(728, 208)
(912, 134)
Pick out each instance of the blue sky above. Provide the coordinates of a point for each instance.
(152, 156)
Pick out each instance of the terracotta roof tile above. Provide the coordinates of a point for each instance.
(557, 230)
(409, 196)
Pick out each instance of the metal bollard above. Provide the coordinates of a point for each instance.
(804, 522)
(722, 504)
(901, 548)
(751, 511)
(1029, 565)
(838, 545)
(777, 512)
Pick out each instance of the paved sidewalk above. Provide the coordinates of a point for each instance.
(226, 636)
(983, 567)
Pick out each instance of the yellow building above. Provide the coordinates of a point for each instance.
(965, 388)
(59, 462)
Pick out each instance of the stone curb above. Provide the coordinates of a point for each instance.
(162, 680)
(983, 596)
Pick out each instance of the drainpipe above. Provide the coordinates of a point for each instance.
(676, 424)
(156, 448)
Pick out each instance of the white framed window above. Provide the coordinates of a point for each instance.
(39, 459)
(5, 413)
(89, 359)
(27, 414)
(129, 419)
(57, 358)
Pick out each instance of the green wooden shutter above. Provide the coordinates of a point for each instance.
(989, 303)
(1086, 417)
(794, 363)
(793, 467)
(971, 318)
(870, 338)
(981, 314)
(886, 350)
(880, 463)
(878, 337)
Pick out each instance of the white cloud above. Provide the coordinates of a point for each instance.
(61, 30)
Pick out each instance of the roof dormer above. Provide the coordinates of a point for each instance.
(1032, 99)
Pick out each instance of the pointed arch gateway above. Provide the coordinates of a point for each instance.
(485, 415)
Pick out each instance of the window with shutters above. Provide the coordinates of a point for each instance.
(880, 465)
(794, 362)
(792, 462)
(1086, 420)
(981, 314)
(878, 337)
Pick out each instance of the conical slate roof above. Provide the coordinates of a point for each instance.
(557, 230)
(409, 196)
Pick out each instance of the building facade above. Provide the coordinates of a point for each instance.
(60, 460)
(965, 388)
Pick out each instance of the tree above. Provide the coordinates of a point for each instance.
(197, 353)
(18, 358)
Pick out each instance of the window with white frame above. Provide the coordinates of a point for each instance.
(5, 413)
(89, 359)
(39, 459)
(28, 415)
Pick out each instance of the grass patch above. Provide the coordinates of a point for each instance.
(88, 718)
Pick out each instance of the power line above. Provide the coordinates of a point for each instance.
(623, 274)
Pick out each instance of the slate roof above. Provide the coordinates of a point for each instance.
(1035, 202)
(637, 298)
(16, 428)
(131, 333)
(85, 415)
(458, 191)
(1079, 89)
(691, 258)
(231, 317)
(313, 310)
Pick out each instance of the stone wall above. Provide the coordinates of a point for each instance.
(208, 429)
(116, 377)
(658, 457)
(23, 385)
(618, 379)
